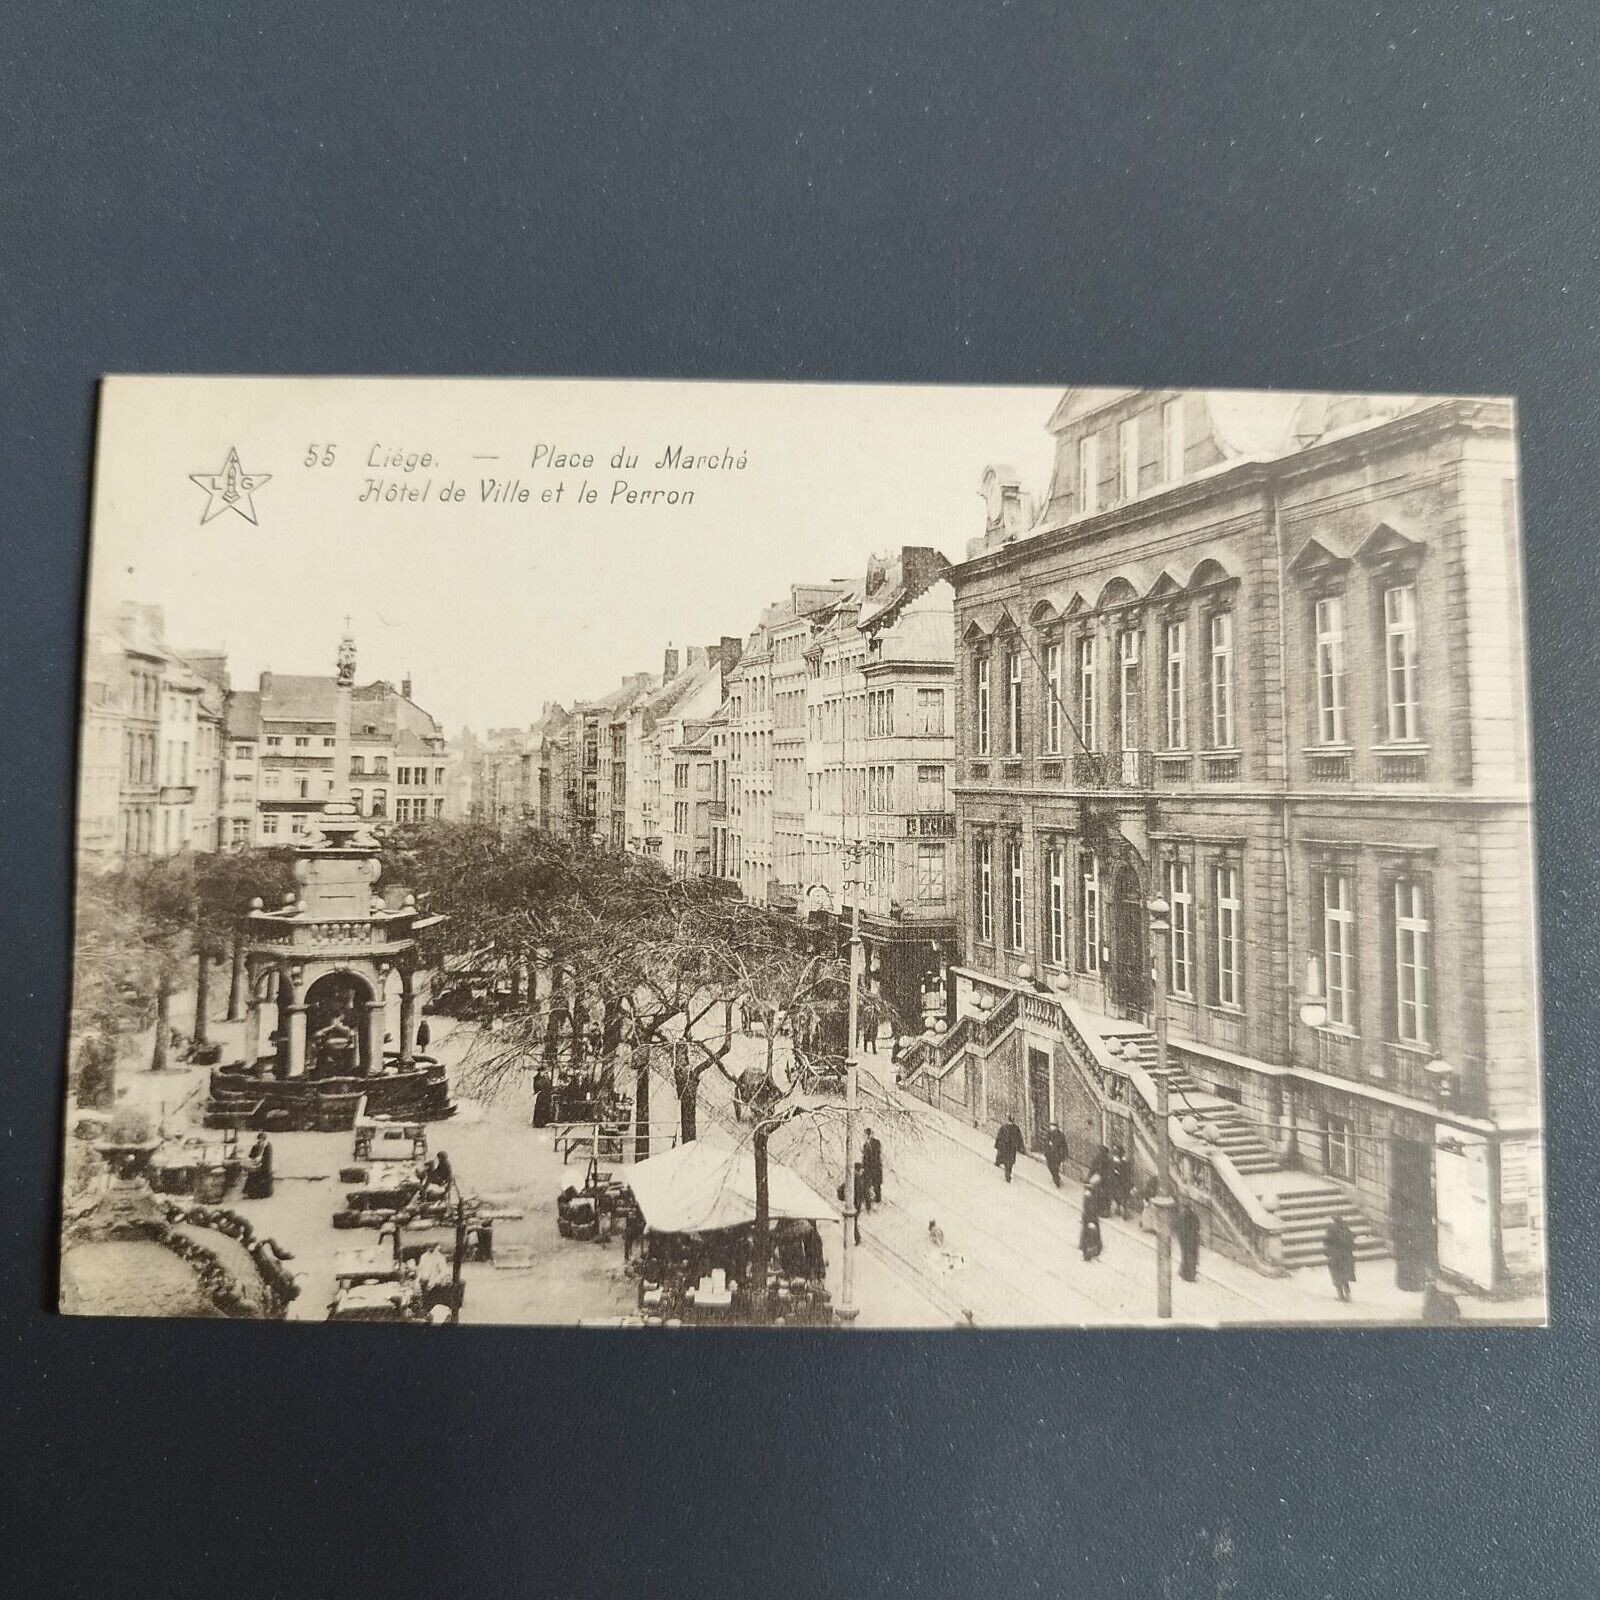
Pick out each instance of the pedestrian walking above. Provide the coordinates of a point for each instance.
(1121, 1186)
(1055, 1152)
(424, 1034)
(872, 1164)
(1007, 1146)
(1188, 1231)
(858, 1190)
(1100, 1179)
(869, 1034)
(1089, 1241)
(1340, 1245)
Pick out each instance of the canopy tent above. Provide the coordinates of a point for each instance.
(697, 1187)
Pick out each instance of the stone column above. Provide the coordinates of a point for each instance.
(408, 1002)
(297, 1039)
(252, 1032)
(374, 1035)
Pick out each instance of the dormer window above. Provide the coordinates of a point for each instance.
(1127, 458)
(1089, 473)
(1172, 443)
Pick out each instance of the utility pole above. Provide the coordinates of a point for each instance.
(1164, 1203)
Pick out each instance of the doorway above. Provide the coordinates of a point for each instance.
(1038, 1094)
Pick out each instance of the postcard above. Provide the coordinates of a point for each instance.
(656, 854)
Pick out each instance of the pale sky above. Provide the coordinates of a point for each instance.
(495, 607)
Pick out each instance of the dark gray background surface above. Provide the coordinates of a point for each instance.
(1331, 195)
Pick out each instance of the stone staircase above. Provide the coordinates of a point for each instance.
(1304, 1203)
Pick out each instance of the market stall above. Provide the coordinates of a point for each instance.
(698, 1205)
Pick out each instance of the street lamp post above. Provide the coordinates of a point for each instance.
(847, 1309)
(1164, 1202)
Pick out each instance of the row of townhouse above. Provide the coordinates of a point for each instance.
(808, 765)
(298, 741)
(1242, 718)
(150, 741)
(172, 758)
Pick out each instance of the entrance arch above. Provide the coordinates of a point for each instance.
(338, 1034)
(1130, 955)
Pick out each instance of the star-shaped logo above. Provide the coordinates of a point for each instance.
(230, 488)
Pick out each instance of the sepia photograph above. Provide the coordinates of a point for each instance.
(675, 855)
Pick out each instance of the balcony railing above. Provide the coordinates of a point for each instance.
(1328, 766)
(1403, 766)
(1112, 769)
(1172, 766)
(1217, 767)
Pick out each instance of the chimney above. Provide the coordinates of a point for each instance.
(728, 655)
(266, 685)
(669, 665)
(697, 656)
(156, 622)
(405, 686)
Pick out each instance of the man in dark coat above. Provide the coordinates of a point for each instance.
(1007, 1146)
(1100, 1178)
(1188, 1232)
(1055, 1152)
(872, 1164)
(1340, 1245)
(1089, 1240)
(424, 1034)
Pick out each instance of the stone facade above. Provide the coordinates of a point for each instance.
(1262, 658)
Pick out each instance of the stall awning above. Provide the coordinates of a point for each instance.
(699, 1186)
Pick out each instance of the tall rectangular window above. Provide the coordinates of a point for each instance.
(930, 872)
(1128, 688)
(1014, 895)
(1127, 459)
(1400, 655)
(1222, 729)
(1055, 886)
(1339, 948)
(1089, 473)
(930, 788)
(1180, 948)
(1087, 695)
(1177, 642)
(983, 879)
(1014, 699)
(1413, 960)
(1229, 954)
(983, 705)
(1052, 710)
(1330, 669)
(1171, 441)
(930, 710)
(1089, 904)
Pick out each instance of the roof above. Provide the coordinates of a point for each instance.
(244, 714)
(697, 1187)
(299, 697)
